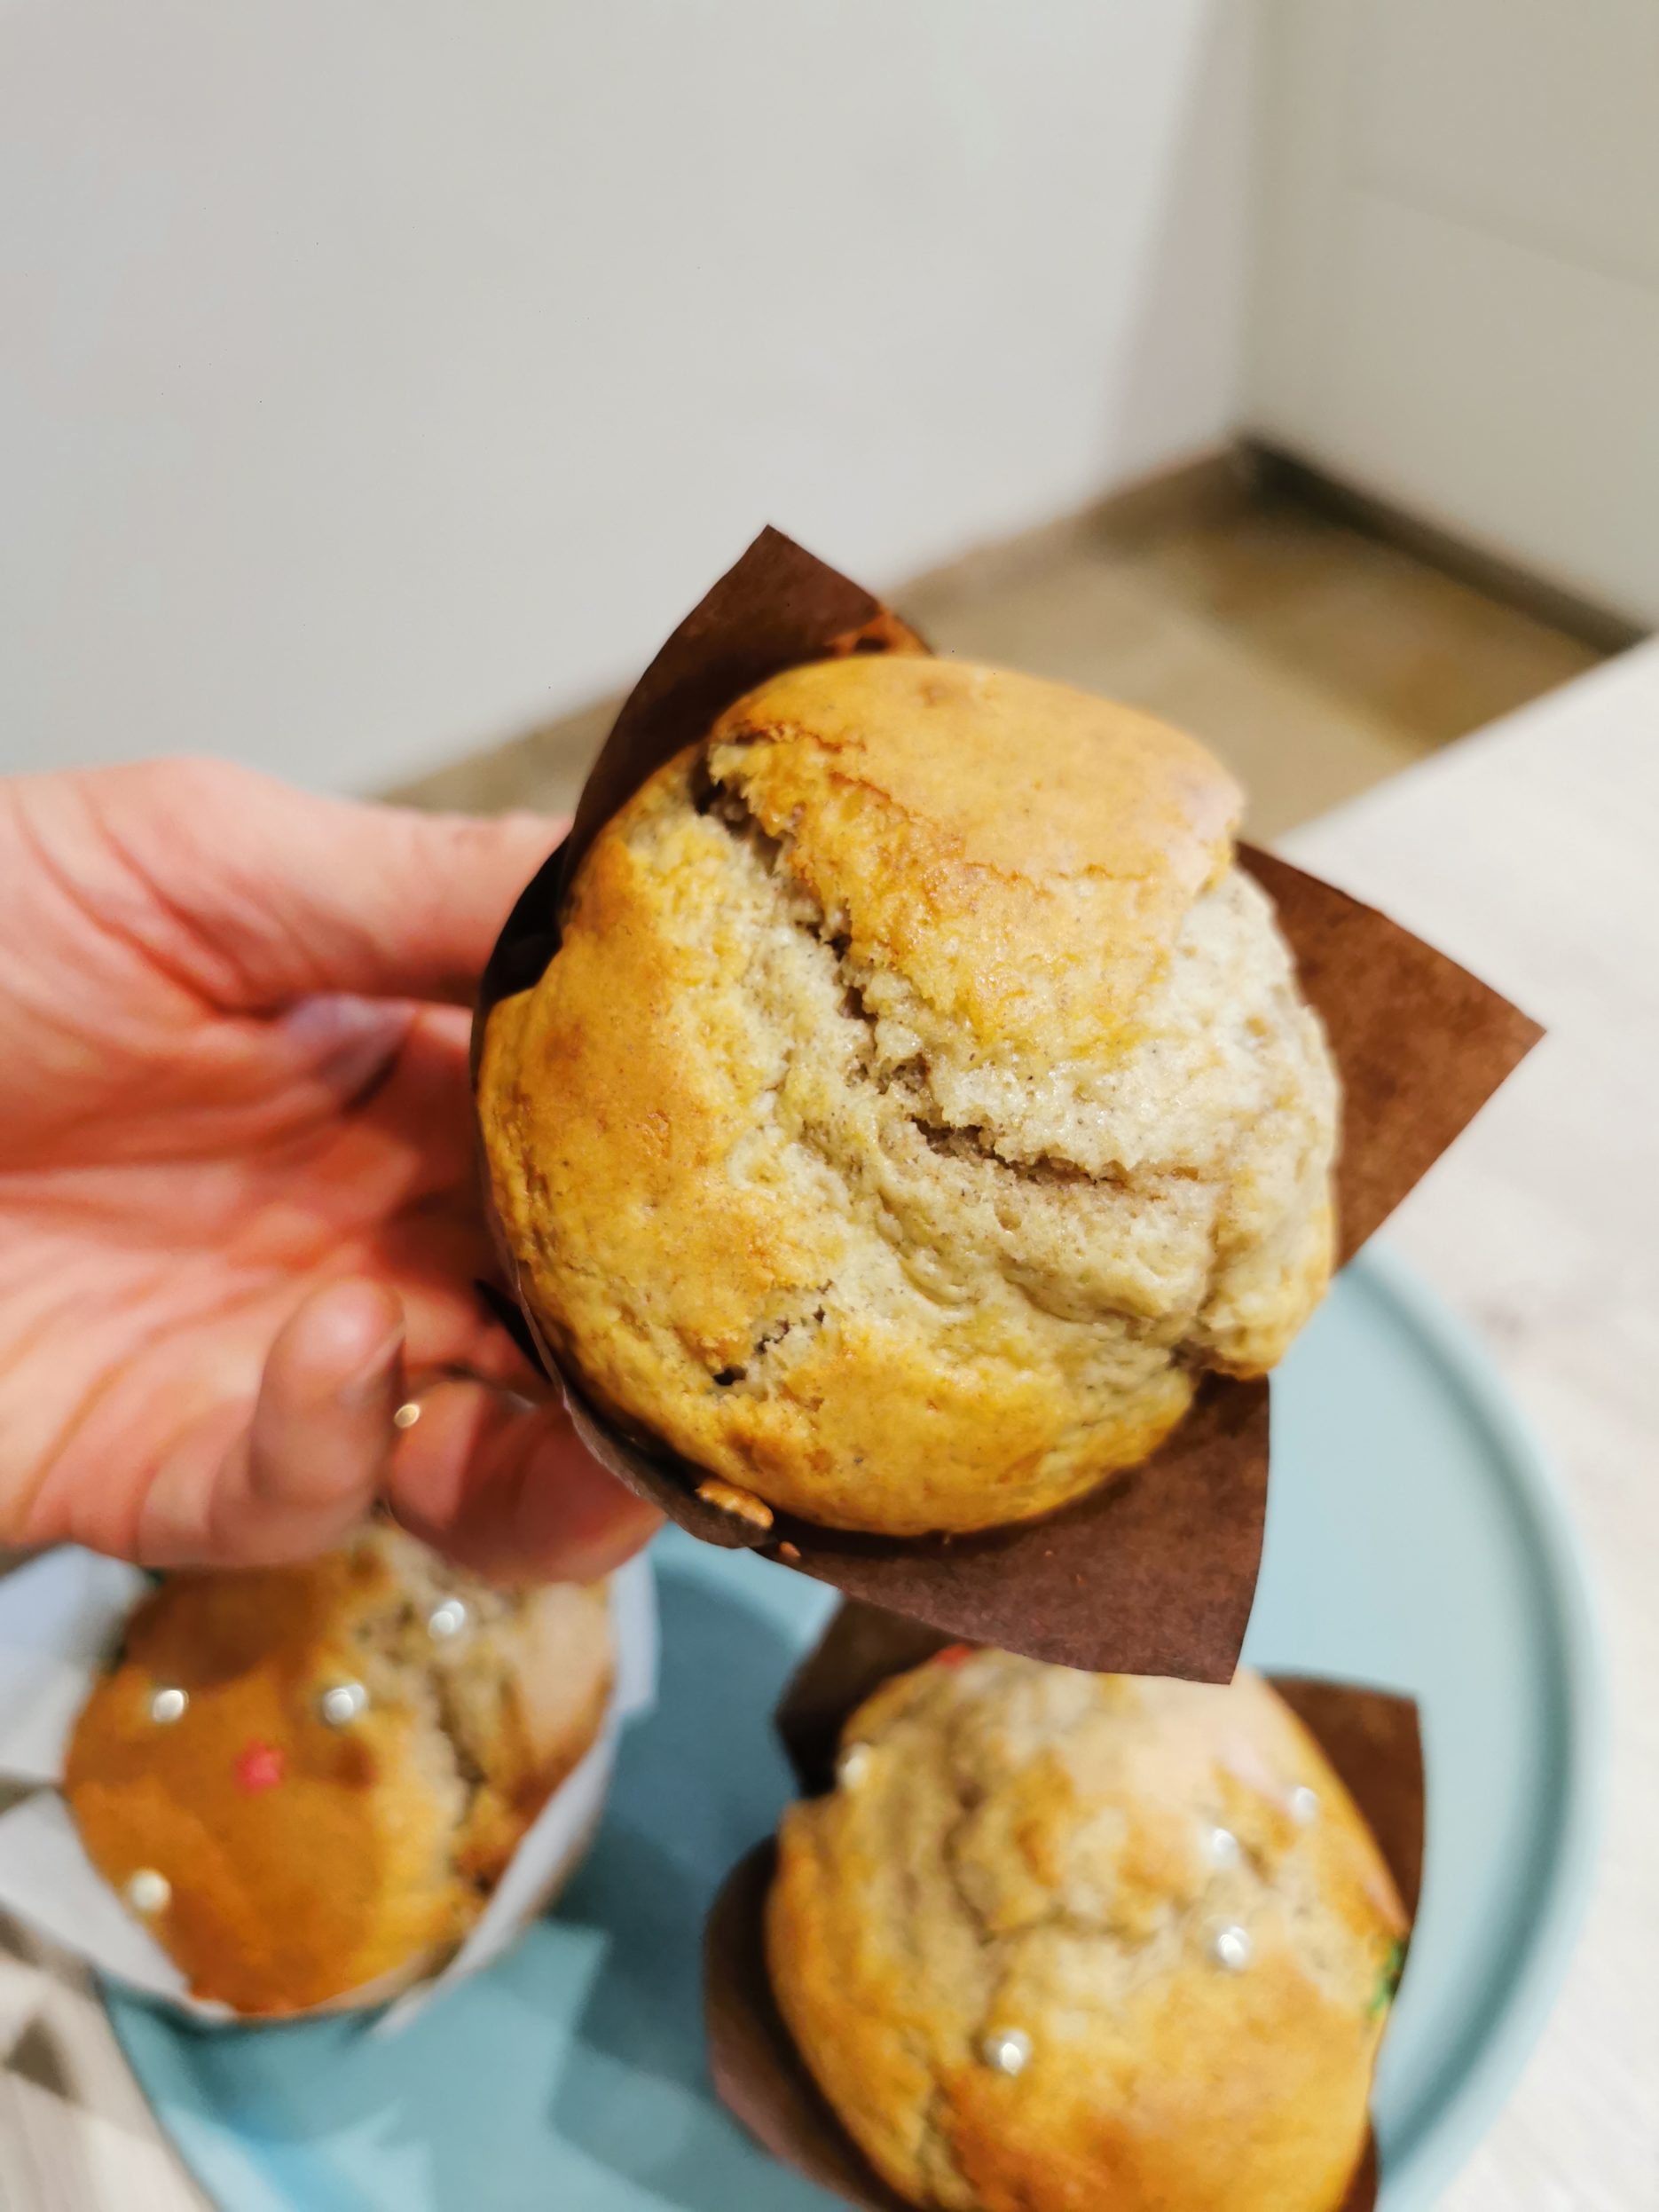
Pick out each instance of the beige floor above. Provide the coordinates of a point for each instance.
(1315, 658)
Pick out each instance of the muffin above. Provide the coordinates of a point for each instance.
(920, 1099)
(1058, 1940)
(306, 1781)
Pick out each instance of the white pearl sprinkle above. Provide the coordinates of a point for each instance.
(1304, 1806)
(167, 1706)
(1220, 1846)
(342, 1704)
(149, 1892)
(853, 1766)
(407, 1416)
(1231, 1947)
(446, 1620)
(1006, 2050)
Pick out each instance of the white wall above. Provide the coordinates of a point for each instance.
(377, 375)
(1459, 296)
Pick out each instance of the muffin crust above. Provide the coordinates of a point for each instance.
(307, 1863)
(1015, 1849)
(918, 1100)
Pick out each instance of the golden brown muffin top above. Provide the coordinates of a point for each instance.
(1156, 1896)
(943, 813)
(312, 1848)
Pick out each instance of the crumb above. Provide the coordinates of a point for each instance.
(743, 1504)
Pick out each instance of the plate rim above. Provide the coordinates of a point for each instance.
(1474, 2104)
(1530, 1477)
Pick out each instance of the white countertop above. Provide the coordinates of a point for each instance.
(1528, 852)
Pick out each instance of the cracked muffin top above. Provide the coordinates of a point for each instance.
(920, 1099)
(306, 1781)
(1059, 1941)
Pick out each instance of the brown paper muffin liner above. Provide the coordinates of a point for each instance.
(1155, 1572)
(1370, 1737)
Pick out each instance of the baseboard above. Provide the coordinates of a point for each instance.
(1274, 473)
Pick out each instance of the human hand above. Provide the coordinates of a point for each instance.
(237, 1211)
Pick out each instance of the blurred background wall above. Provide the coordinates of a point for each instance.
(379, 379)
(377, 376)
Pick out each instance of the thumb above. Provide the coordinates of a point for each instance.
(277, 893)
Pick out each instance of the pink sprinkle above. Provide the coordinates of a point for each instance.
(953, 1655)
(261, 1766)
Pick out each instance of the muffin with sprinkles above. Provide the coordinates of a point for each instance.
(307, 1780)
(1058, 1940)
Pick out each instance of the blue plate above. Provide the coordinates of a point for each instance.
(1415, 1541)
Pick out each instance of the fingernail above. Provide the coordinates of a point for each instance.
(369, 1382)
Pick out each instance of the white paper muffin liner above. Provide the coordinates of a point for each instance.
(59, 1617)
